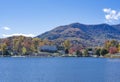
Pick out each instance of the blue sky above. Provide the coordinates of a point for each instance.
(33, 17)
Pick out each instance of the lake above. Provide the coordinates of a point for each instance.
(66, 69)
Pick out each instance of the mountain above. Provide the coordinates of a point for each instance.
(90, 35)
(117, 26)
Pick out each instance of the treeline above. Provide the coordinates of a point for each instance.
(110, 46)
(20, 45)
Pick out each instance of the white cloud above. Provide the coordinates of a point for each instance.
(111, 15)
(18, 34)
(6, 28)
(107, 10)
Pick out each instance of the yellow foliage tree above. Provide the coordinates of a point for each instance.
(66, 44)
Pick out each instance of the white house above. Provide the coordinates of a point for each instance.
(48, 48)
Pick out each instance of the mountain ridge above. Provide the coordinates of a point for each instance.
(87, 34)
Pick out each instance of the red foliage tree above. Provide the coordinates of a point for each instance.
(113, 50)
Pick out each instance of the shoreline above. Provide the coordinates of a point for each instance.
(47, 55)
(112, 57)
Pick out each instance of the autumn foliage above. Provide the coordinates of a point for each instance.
(113, 50)
(21, 45)
(112, 46)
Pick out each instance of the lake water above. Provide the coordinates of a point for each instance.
(59, 70)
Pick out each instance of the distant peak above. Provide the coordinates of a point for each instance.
(76, 24)
(80, 24)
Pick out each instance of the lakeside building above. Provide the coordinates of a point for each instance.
(48, 48)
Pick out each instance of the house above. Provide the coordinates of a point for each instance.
(61, 52)
(61, 49)
(90, 53)
(48, 48)
(0, 52)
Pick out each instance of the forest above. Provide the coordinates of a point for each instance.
(24, 46)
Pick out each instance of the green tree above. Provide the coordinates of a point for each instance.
(103, 52)
(78, 53)
(15, 44)
(97, 52)
(24, 50)
(85, 52)
(3, 48)
(66, 44)
(36, 42)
